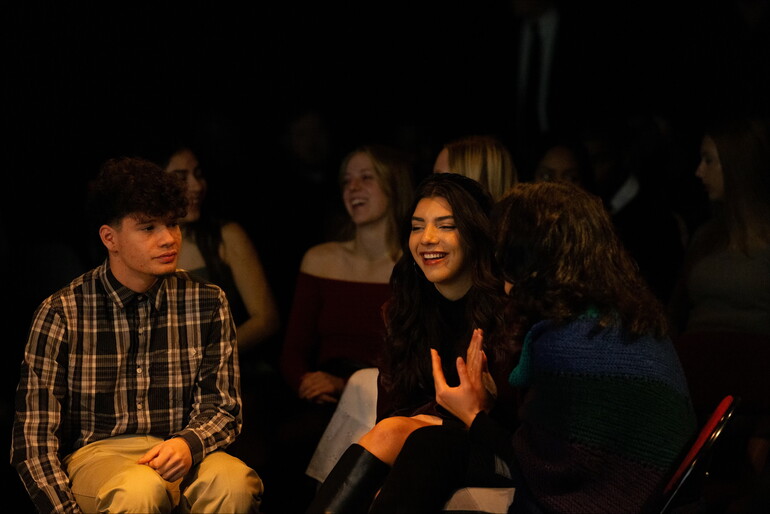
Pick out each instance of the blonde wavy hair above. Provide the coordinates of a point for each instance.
(485, 159)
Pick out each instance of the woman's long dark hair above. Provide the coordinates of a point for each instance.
(412, 315)
(557, 245)
(742, 217)
(206, 232)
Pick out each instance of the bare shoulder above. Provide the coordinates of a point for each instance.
(236, 243)
(325, 259)
(232, 231)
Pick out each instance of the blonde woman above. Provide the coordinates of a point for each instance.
(483, 158)
(326, 341)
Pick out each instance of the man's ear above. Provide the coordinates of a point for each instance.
(108, 236)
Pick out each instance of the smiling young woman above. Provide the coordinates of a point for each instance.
(443, 287)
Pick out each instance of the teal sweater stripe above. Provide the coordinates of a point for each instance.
(605, 412)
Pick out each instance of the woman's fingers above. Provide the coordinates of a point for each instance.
(439, 381)
(471, 370)
(474, 348)
(474, 362)
(462, 371)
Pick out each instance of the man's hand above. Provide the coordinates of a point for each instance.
(472, 395)
(172, 459)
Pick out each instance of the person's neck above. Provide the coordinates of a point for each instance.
(371, 241)
(137, 282)
(455, 290)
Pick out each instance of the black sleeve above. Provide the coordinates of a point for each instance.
(486, 431)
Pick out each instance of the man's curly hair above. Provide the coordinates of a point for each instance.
(133, 186)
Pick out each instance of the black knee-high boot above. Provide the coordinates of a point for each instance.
(351, 484)
(432, 464)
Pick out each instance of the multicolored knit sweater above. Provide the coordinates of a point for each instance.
(603, 421)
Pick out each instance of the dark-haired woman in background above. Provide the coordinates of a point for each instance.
(221, 252)
(721, 306)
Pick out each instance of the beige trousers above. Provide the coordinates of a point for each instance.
(105, 477)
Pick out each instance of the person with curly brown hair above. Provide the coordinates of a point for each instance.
(130, 385)
(605, 410)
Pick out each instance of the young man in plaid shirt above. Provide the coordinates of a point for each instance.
(130, 387)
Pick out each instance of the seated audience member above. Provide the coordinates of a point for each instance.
(722, 302)
(564, 160)
(443, 288)
(221, 252)
(726, 279)
(605, 414)
(335, 326)
(486, 160)
(130, 384)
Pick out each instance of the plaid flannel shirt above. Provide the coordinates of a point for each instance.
(102, 360)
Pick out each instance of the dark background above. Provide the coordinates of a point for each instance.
(85, 81)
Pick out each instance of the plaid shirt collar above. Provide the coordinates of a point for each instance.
(123, 296)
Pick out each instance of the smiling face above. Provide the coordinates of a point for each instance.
(362, 193)
(710, 169)
(141, 249)
(185, 165)
(437, 249)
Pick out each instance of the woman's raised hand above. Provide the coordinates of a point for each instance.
(473, 394)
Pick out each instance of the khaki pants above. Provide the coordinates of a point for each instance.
(105, 477)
